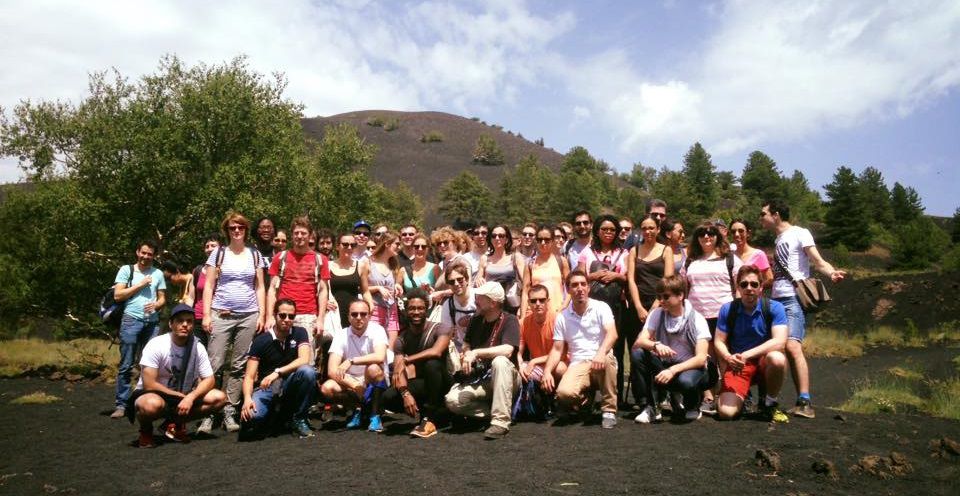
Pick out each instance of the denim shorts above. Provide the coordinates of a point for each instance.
(795, 318)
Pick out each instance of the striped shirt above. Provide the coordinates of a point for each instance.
(710, 285)
(236, 289)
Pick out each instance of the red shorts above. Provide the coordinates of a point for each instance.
(739, 382)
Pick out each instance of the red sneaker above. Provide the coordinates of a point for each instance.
(146, 440)
(177, 432)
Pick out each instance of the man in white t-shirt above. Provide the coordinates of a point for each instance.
(587, 330)
(583, 230)
(355, 364)
(176, 381)
(456, 310)
(795, 251)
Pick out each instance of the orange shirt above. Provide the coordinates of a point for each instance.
(537, 338)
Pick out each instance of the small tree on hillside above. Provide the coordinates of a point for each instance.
(905, 203)
(487, 151)
(955, 232)
(846, 217)
(875, 196)
(761, 179)
(702, 178)
(465, 197)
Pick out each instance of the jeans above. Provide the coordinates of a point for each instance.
(796, 322)
(427, 388)
(298, 392)
(646, 392)
(134, 334)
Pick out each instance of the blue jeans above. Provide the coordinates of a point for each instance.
(134, 334)
(297, 393)
(796, 321)
(690, 383)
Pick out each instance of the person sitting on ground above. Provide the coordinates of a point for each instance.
(488, 379)
(670, 354)
(750, 338)
(176, 382)
(587, 329)
(355, 367)
(536, 337)
(420, 377)
(279, 369)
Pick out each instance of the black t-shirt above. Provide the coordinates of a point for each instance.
(410, 342)
(479, 330)
(272, 353)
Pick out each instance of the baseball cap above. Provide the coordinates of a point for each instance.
(361, 223)
(490, 289)
(181, 308)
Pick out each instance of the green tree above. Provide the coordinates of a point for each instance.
(465, 197)
(920, 242)
(805, 204)
(641, 177)
(701, 176)
(526, 192)
(487, 151)
(761, 179)
(905, 203)
(673, 188)
(875, 196)
(846, 217)
(955, 231)
(398, 205)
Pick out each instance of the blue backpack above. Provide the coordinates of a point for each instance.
(111, 310)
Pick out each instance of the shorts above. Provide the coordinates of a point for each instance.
(169, 407)
(388, 317)
(796, 322)
(739, 382)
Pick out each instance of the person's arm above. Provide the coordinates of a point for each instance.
(697, 361)
(527, 282)
(822, 265)
(777, 342)
(667, 261)
(634, 292)
(161, 300)
(494, 351)
(123, 293)
(249, 377)
(378, 356)
(481, 271)
(364, 269)
(261, 299)
(150, 382)
(610, 337)
(564, 272)
(720, 346)
(553, 358)
(323, 294)
(271, 321)
(436, 351)
(190, 293)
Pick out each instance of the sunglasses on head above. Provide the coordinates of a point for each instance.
(286, 316)
(749, 284)
(359, 315)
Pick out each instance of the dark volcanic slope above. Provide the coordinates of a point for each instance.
(426, 166)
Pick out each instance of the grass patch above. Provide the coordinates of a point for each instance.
(391, 125)
(885, 394)
(828, 342)
(36, 398)
(87, 357)
(945, 333)
(431, 137)
(945, 399)
(956, 363)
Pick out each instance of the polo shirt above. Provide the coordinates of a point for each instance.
(583, 333)
(750, 330)
(348, 345)
(273, 353)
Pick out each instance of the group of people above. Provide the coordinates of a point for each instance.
(482, 321)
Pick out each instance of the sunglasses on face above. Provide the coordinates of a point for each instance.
(710, 233)
(285, 316)
(419, 247)
(537, 301)
(407, 234)
(626, 228)
(582, 223)
(657, 215)
(359, 315)
(480, 233)
(749, 284)
(361, 233)
(237, 228)
(443, 243)
(544, 241)
(348, 245)
(498, 236)
(455, 280)
(528, 234)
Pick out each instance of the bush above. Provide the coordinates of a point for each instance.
(391, 125)
(487, 151)
(920, 242)
(376, 121)
(431, 137)
(951, 259)
(841, 255)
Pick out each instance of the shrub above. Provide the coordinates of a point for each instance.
(376, 121)
(951, 259)
(887, 393)
(841, 255)
(431, 137)
(391, 125)
(487, 151)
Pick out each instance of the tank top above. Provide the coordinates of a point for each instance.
(376, 278)
(345, 289)
(549, 275)
(647, 274)
(412, 281)
(504, 274)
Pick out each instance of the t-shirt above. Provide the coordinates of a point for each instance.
(759, 259)
(410, 342)
(617, 259)
(574, 248)
(299, 278)
(710, 284)
(348, 345)
(148, 293)
(789, 250)
(273, 353)
(162, 354)
(479, 331)
(200, 282)
(673, 337)
(474, 260)
(537, 338)
(235, 290)
(750, 330)
(583, 333)
(456, 324)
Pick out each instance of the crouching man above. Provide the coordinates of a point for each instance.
(751, 335)
(586, 328)
(176, 382)
(279, 371)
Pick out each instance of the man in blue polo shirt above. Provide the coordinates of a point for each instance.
(278, 368)
(752, 345)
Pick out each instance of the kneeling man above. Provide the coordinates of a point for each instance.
(279, 368)
(751, 335)
(176, 382)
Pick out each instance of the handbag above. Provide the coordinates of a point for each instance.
(611, 292)
(811, 292)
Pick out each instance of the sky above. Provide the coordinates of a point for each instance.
(814, 84)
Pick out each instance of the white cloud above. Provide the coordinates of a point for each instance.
(780, 71)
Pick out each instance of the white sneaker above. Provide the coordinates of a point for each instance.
(648, 415)
(206, 426)
(692, 415)
(230, 423)
(678, 400)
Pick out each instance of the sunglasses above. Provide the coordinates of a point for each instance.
(480, 233)
(544, 241)
(443, 243)
(348, 245)
(407, 234)
(286, 316)
(749, 284)
(237, 228)
(498, 236)
(582, 223)
(358, 315)
(455, 280)
(419, 247)
(608, 229)
(378, 234)
(361, 233)
(537, 301)
(709, 232)
(657, 215)
(528, 234)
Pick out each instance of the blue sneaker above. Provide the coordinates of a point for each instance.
(301, 428)
(355, 419)
(376, 425)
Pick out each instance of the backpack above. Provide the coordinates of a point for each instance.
(111, 310)
(734, 310)
(610, 293)
(283, 268)
(221, 252)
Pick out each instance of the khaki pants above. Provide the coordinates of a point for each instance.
(236, 331)
(580, 380)
(307, 321)
(493, 397)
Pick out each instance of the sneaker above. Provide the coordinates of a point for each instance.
(119, 413)
(355, 419)
(206, 426)
(376, 425)
(772, 413)
(424, 429)
(803, 409)
(708, 407)
(665, 405)
(146, 440)
(692, 415)
(648, 415)
(230, 423)
(748, 405)
(676, 402)
(609, 420)
(176, 432)
(301, 428)
(495, 432)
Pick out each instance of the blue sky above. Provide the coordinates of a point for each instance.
(813, 84)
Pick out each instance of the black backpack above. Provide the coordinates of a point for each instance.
(610, 293)
(111, 310)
